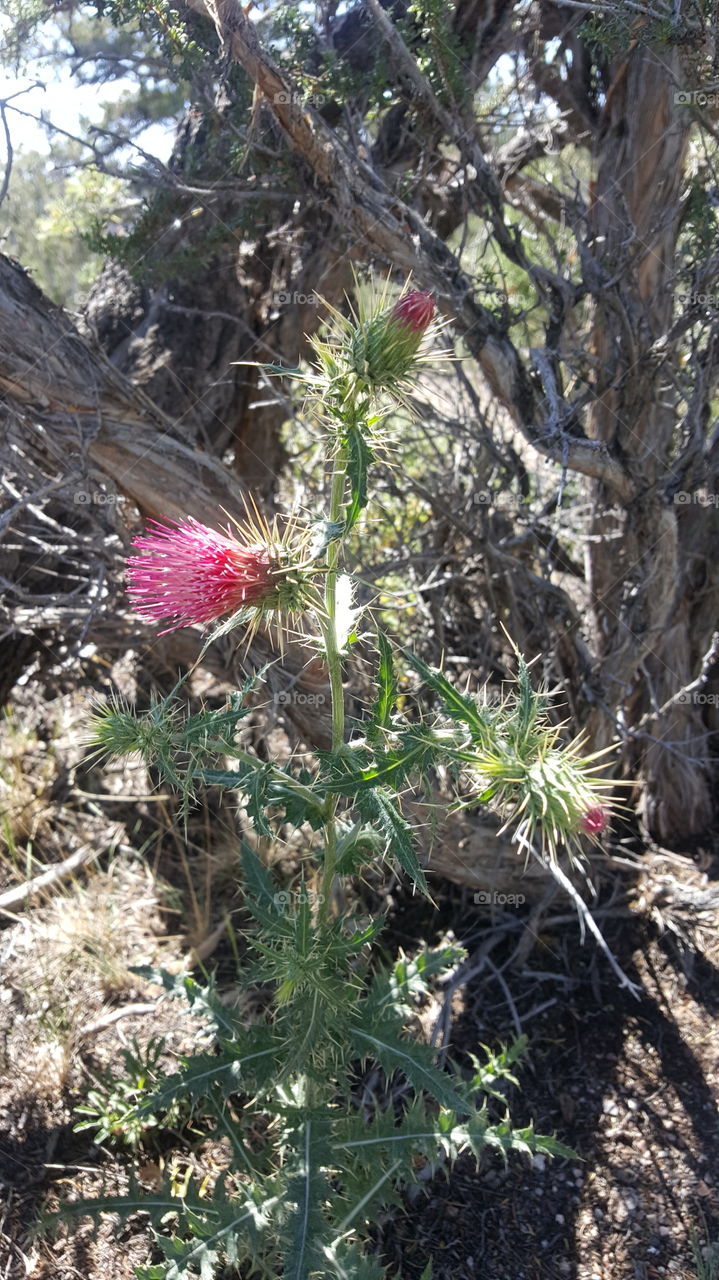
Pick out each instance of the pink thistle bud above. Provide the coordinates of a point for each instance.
(384, 351)
(415, 310)
(191, 574)
(594, 820)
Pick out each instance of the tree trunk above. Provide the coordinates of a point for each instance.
(646, 638)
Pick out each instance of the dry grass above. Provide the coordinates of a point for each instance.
(27, 775)
(68, 963)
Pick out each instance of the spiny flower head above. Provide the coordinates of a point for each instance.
(384, 349)
(546, 789)
(512, 753)
(373, 355)
(116, 728)
(184, 573)
(193, 574)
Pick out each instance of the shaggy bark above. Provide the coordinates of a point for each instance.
(637, 561)
(189, 340)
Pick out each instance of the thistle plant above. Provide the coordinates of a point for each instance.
(311, 1158)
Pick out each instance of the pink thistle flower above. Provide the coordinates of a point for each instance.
(415, 310)
(594, 820)
(192, 574)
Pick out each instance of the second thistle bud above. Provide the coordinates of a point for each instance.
(594, 820)
(384, 349)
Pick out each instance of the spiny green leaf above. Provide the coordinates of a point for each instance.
(258, 880)
(356, 847)
(264, 788)
(414, 1060)
(386, 683)
(360, 456)
(502, 1137)
(347, 1262)
(237, 1217)
(350, 774)
(243, 1156)
(459, 706)
(220, 724)
(497, 1067)
(249, 1068)
(202, 998)
(378, 806)
(323, 533)
(411, 976)
(306, 1189)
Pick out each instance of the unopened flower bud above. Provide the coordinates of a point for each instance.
(384, 348)
(594, 820)
(415, 310)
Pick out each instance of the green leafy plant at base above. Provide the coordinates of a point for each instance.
(312, 1154)
(112, 1108)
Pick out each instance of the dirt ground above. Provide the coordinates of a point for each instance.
(630, 1084)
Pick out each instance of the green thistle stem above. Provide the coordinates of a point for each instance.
(328, 624)
(334, 661)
